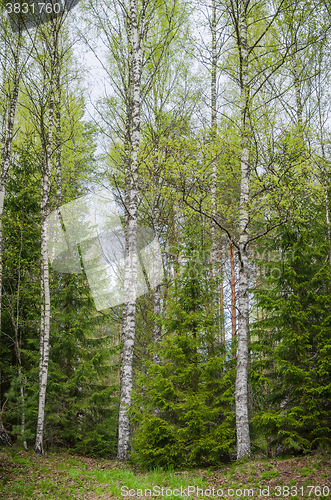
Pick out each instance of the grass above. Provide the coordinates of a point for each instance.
(60, 476)
(306, 471)
(270, 474)
(121, 481)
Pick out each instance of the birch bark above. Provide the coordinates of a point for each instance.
(233, 293)
(13, 308)
(215, 251)
(133, 20)
(7, 139)
(157, 293)
(3, 434)
(131, 264)
(324, 172)
(326, 197)
(297, 88)
(58, 168)
(17, 342)
(157, 328)
(45, 291)
(241, 393)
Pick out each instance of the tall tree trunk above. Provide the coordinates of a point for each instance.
(156, 293)
(324, 172)
(156, 327)
(131, 262)
(8, 129)
(157, 331)
(241, 396)
(25, 445)
(327, 211)
(297, 88)
(73, 138)
(45, 291)
(58, 168)
(233, 293)
(215, 250)
(4, 439)
(15, 317)
(45, 295)
(7, 140)
(221, 293)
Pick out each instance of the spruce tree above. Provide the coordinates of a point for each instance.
(83, 398)
(184, 408)
(20, 310)
(292, 343)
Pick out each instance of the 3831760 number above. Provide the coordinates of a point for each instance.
(40, 7)
(294, 491)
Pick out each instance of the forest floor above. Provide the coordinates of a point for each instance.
(26, 476)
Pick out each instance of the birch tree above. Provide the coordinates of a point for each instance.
(47, 143)
(243, 437)
(137, 36)
(141, 32)
(216, 270)
(253, 36)
(11, 62)
(41, 105)
(257, 51)
(12, 302)
(131, 262)
(322, 119)
(209, 51)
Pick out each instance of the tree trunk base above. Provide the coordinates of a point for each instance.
(39, 450)
(4, 438)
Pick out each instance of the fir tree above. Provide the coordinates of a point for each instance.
(184, 411)
(83, 387)
(292, 356)
(21, 270)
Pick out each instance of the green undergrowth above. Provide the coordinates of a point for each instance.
(59, 475)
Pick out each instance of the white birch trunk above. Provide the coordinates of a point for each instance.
(8, 129)
(241, 393)
(216, 271)
(45, 301)
(25, 445)
(58, 168)
(45, 291)
(297, 89)
(7, 139)
(157, 295)
(17, 343)
(6, 153)
(327, 211)
(156, 328)
(4, 439)
(214, 252)
(233, 293)
(325, 180)
(131, 265)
